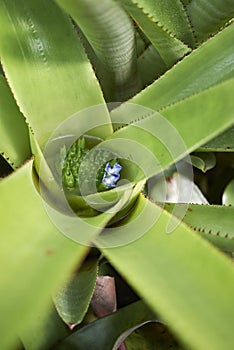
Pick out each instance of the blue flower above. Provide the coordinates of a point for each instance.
(111, 175)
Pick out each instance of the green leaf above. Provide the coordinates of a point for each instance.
(206, 66)
(182, 277)
(35, 257)
(14, 140)
(150, 65)
(150, 337)
(203, 161)
(108, 332)
(111, 34)
(213, 222)
(208, 16)
(169, 14)
(228, 194)
(221, 143)
(156, 141)
(39, 47)
(73, 299)
(45, 330)
(170, 48)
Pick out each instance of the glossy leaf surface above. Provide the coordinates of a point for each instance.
(38, 46)
(107, 19)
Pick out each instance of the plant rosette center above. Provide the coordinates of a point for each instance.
(86, 171)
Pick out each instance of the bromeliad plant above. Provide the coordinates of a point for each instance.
(166, 62)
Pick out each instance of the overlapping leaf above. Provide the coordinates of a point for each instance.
(109, 332)
(116, 52)
(182, 277)
(212, 222)
(192, 75)
(208, 16)
(46, 66)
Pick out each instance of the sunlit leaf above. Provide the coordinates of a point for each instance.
(107, 19)
(170, 48)
(181, 276)
(193, 74)
(14, 140)
(34, 256)
(40, 49)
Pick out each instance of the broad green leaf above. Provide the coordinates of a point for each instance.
(154, 143)
(169, 14)
(150, 337)
(203, 161)
(109, 332)
(221, 143)
(206, 66)
(182, 277)
(73, 299)
(14, 140)
(208, 16)
(212, 222)
(111, 34)
(43, 58)
(34, 256)
(170, 48)
(228, 194)
(45, 330)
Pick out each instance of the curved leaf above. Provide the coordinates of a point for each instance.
(170, 48)
(169, 14)
(109, 332)
(73, 299)
(150, 337)
(38, 46)
(111, 34)
(212, 222)
(14, 140)
(206, 66)
(181, 276)
(207, 16)
(203, 161)
(228, 194)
